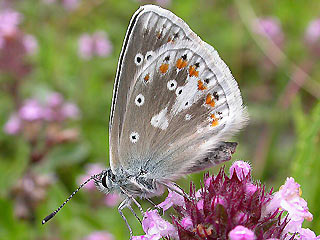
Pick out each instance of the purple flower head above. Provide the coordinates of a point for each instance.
(270, 28)
(31, 110)
(112, 199)
(312, 36)
(99, 235)
(102, 44)
(30, 44)
(70, 4)
(155, 227)
(13, 125)
(70, 110)
(85, 46)
(224, 204)
(240, 168)
(241, 233)
(9, 21)
(91, 169)
(172, 199)
(96, 45)
(54, 100)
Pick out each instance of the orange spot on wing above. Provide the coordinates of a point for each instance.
(164, 67)
(181, 63)
(214, 120)
(193, 71)
(210, 101)
(201, 85)
(146, 78)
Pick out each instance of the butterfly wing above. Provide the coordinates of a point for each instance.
(174, 98)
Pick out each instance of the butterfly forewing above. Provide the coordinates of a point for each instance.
(174, 98)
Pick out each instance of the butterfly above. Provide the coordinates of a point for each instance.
(175, 103)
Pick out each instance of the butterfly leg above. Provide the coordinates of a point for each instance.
(134, 213)
(122, 205)
(138, 205)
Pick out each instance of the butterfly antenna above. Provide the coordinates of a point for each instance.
(51, 215)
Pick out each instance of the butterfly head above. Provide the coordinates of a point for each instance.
(105, 181)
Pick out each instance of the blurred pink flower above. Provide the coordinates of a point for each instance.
(70, 4)
(31, 110)
(99, 235)
(70, 110)
(241, 168)
(85, 46)
(9, 21)
(186, 222)
(173, 198)
(269, 27)
(103, 46)
(155, 227)
(30, 44)
(241, 233)
(307, 234)
(13, 125)
(112, 199)
(96, 45)
(54, 100)
(91, 169)
(312, 36)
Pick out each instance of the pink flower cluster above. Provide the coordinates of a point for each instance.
(67, 4)
(9, 29)
(270, 28)
(99, 235)
(55, 109)
(312, 37)
(110, 200)
(200, 219)
(97, 44)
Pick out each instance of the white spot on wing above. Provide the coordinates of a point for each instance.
(138, 59)
(160, 120)
(171, 85)
(134, 137)
(149, 55)
(188, 117)
(139, 101)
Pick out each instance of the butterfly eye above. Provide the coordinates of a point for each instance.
(104, 181)
(171, 85)
(139, 101)
(179, 91)
(138, 59)
(134, 137)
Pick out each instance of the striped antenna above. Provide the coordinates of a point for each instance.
(51, 215)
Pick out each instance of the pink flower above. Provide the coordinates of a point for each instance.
(270, 28)
(85, 44)
(54, 100)
(103, 46)
(96, 45)
(173, 198)
(312, 37)
(99, 235)
(31, 110)
(312, 34)
(112, 199)
(9, 21)
(13, 125)
(70, 4)
(242, 169)
(241, 233)
(91, 169)
(155, 227)
(30, 44)
(186, 222)
(307, 234)
(70, 110)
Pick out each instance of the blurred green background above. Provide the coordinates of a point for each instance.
(277, 68)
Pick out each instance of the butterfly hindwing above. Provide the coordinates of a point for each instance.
(174, 98)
